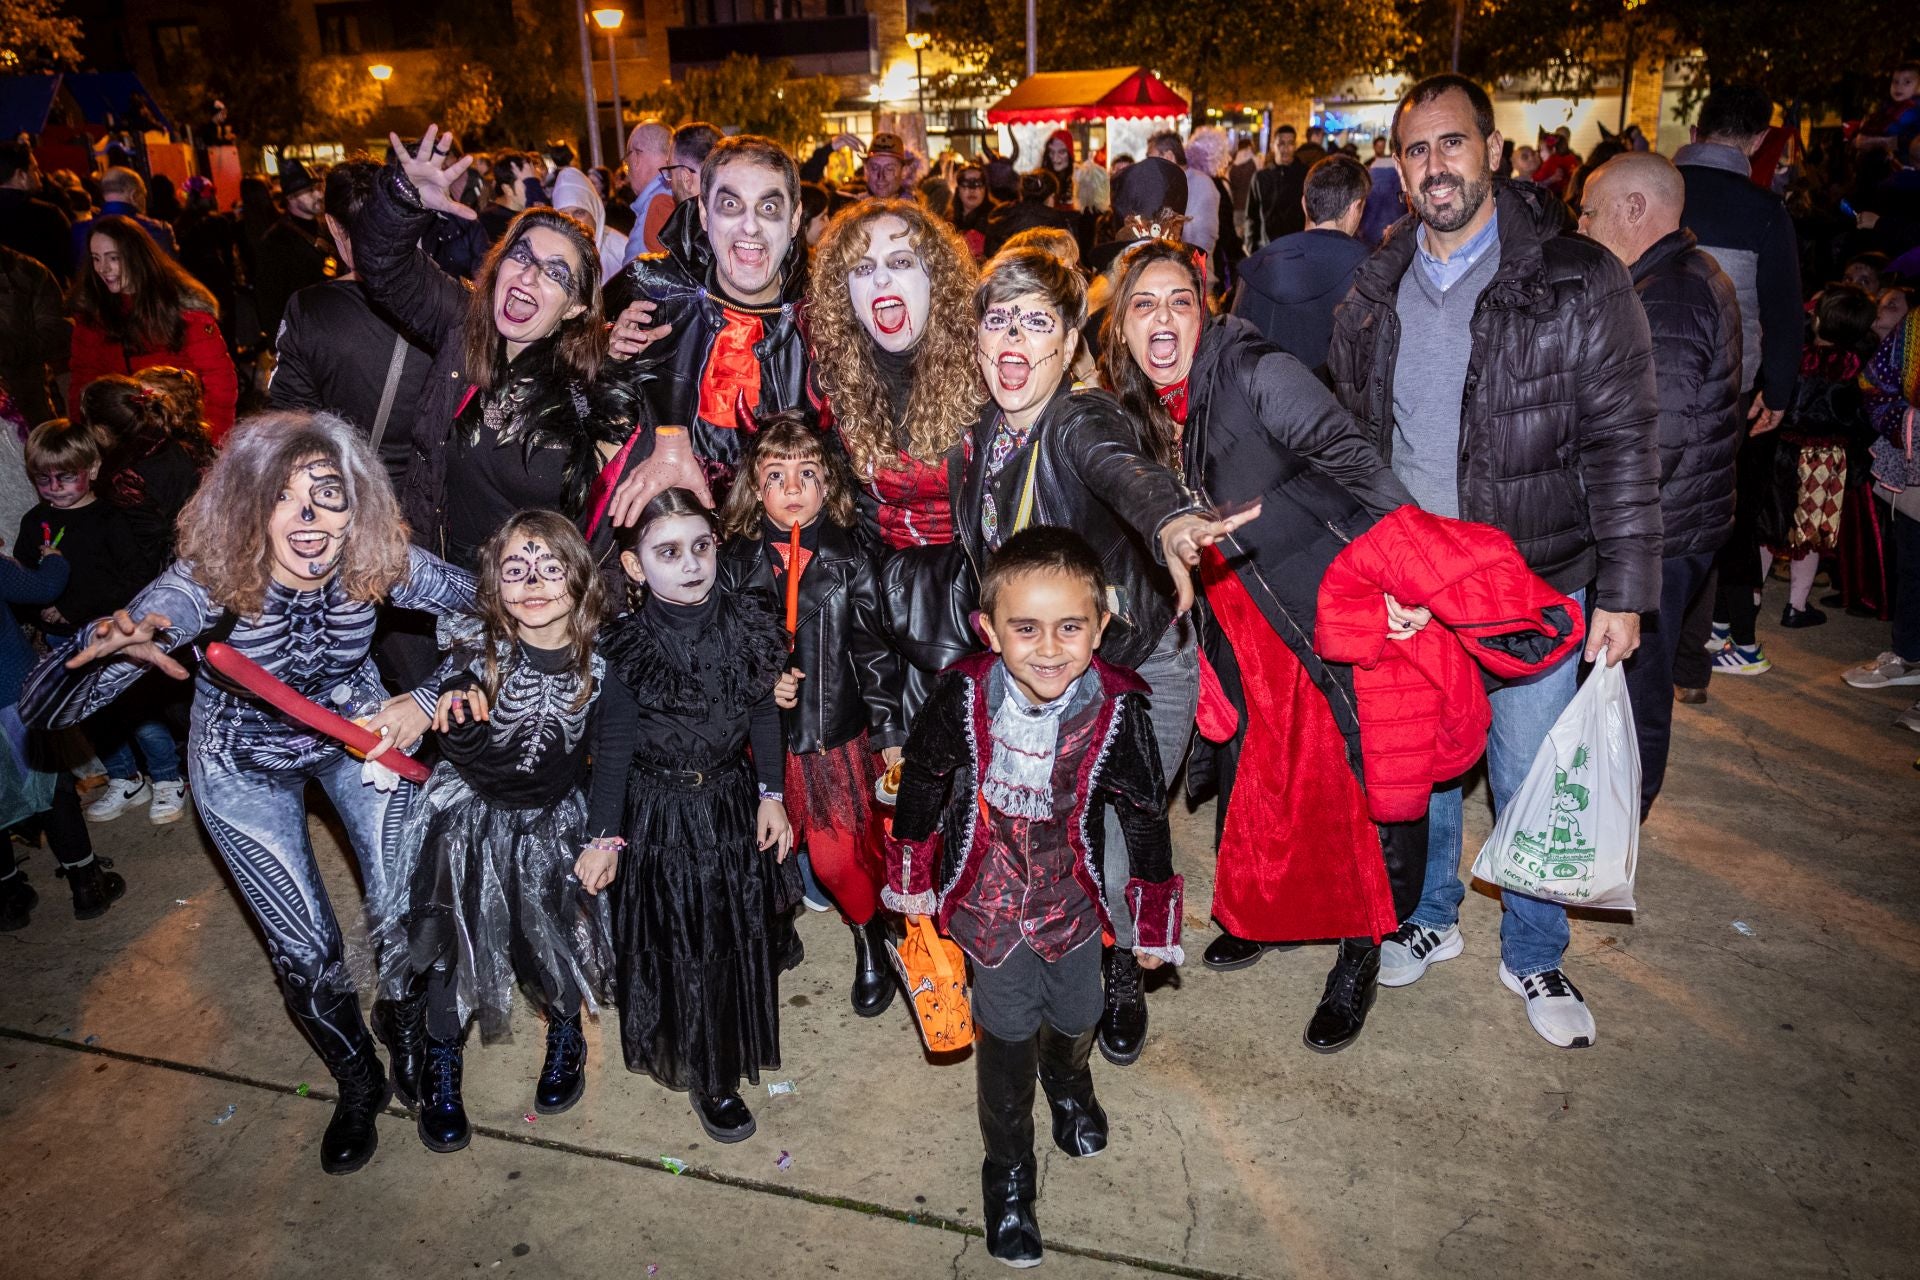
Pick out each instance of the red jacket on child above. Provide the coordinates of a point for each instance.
(1423, 706)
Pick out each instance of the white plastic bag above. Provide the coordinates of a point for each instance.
(1572, 832)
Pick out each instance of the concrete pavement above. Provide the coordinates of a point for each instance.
(1748, 1110)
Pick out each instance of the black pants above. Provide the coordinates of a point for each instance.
(1651, 670)
(443, 1009)
(62, 826)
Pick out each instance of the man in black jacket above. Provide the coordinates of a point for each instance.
(341, 352)
(1506, 373)
(295, 252)
(1746, 229)
(1273, 210)
(1632, 205)
(29, 224)
(1289, 289)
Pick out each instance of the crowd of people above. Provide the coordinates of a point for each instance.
(733, 535)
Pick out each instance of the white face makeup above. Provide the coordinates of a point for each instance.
(534, 292)
(1162, 323)
(1023, 349)
(750, 219)
(676, 559)
(307, 531)
(533, 588)
(65, 490)
(890, 286)
(792, 491)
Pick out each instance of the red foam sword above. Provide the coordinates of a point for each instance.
(282, 697)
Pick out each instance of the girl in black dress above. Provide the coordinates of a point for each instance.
(706, 827)
(503, 855)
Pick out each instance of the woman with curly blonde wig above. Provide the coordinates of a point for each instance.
(889, 316)
(292, 541)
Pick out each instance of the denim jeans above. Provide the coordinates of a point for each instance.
(157, 747)
(1172, 671)
(1533, 933)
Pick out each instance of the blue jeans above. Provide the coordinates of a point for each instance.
(1533, 933)
(157, 747)
(1172, 672)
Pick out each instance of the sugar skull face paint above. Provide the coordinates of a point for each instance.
(308, 529)
(533, 585)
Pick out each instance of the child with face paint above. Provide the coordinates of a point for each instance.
(841, 678)
(504, 854)
(706, 868)
(292, 541)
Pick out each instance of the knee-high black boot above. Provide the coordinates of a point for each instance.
(1079, 1125)
(334, 1026)
(1004, 1074)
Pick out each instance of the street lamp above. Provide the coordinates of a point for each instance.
(586, 81)
(916, 41)
(609, 21)
(382, 72)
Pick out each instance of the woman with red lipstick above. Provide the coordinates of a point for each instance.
(514, 416)
(1244, 422)
(1043, 453)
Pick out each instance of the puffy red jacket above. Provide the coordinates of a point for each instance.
(1423, 707)
(201, 349)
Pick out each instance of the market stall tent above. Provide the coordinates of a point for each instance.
(1129, 104)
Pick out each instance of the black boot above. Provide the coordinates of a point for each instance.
(351, 1137)
(563, 1075)
(724, 1116)
(1079, 1124)
(1004, 1077)
(1229, 951)
(403, 1024)
(1350, 990)
(441, 1115)
(1123, 1024)
(17, 901)
(872, 974)
(94, 887)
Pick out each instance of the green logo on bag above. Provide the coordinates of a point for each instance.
(1560, 851)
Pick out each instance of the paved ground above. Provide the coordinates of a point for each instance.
(1748, 1110)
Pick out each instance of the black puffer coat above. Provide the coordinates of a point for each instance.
(1092, 475)
(1559, 410)
(1694, 314)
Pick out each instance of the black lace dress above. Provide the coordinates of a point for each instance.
(696, 981)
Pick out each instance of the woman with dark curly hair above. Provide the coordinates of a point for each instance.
(889, 314)
(292, 541)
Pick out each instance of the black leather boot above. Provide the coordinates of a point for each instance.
(352, 1137)
(1351, 986)
(1079, 1124)
(441, 1114)
(17, 901)
(872, 973)
(1230, 951)
(1004, 1077)
(94, 887)
(1123, 1024)
(403, 1027)
(563, 1075)
(724, 1116)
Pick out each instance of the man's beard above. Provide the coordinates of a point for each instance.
(1472, 196)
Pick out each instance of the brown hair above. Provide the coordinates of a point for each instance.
(1042, 548)
(223, 530)
(947, 388)
(583, 583)
(753, 149)
(155, 291)
(1015, 273)
(1122, 372)
(581, 341)
(1051, 240)
(785, 437)
(139, 415)
(60, 445)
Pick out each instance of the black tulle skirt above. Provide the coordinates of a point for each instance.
(697, 988)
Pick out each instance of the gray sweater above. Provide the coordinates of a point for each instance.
(1429, 379)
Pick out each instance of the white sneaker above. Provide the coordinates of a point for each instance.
(118, 796)
(1406, 953)
(1739, 660)
(1888, 668)
(1720, 637)
(169, 803)
(1555, 1007)
(1910, 718)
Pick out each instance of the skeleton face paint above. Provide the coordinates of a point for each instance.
(792, 490)
(676, 559)
(307, 531)
(66, 490)
(535, 593)
(890, 287)
(1023, 350)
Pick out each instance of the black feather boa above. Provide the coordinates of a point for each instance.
(653, 666)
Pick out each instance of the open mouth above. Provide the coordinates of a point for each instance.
(1163, 349)
(520, 306)
(889, 315)
(310, 545)
(1013, 371)
(750, 255)
(1443, 192)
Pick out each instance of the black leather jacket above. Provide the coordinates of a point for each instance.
(1092, 475)
(853, 676)
(680, 283)
(1558, 415)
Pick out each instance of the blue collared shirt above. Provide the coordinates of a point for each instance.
(1447, 274)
